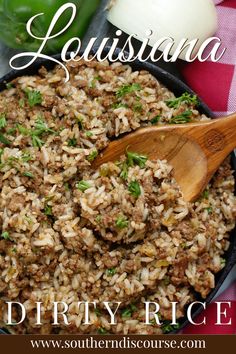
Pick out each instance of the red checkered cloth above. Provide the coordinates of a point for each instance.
(215, 83)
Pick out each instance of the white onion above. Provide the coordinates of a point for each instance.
(178, 19)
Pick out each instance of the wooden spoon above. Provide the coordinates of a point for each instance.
(194, 150)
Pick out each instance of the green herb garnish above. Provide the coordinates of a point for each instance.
(80, 122)
(135, 159)
(28, 174)
(25, 157)
(23, 130)
(4, 140)
(185, 117)
(134, 189)
(48, 210)
(128, 312)
(93, 82)
(5, 235)
(205, 194)
(22, 103)
(72, 142)
(209, 210)
(185, 98)
(102, 331)
(155, 120)
(97, 312)
(122, 222)
(9, 85)
(124, 172)
(138, 107)
(124, 90)
(3, 121)
(36, 141)
(167, 327)
(92, 156)
(88, 134)
(119, 105)
(34, 97)
(111, 272)
(83, 186)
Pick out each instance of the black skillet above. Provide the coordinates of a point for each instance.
(178, 87)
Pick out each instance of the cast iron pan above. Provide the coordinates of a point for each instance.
(178, 87)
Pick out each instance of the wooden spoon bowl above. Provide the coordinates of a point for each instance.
(194, 150)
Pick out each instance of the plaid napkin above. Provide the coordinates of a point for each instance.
(215, 83)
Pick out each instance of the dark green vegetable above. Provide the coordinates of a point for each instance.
(3, 121)
(72, 142)
(135, 159)
(124, 90)
(83, 186)
(111, 272)
(134, 189)
(167, 327)
(185, 117)
(5, 235)
(185, 98)
(4, 140)
(34, 97)
(92, 156)
(102, 331)
(155, 120)
(121, 222)
(48, 210)
(15, 14)
(28, 174)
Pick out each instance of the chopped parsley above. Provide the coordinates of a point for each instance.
(34, 97)
(205, 194)
(124, 90)
(122, 222)
(138, 107)
(119, 105)
(28, 174)
(128, 312)
(111, 272)
(209, 210)
(83, 186)
(11, 131)
(185, 98)
(41, 127)
(9, 85)
(80, 122)
(22, 103)
(135, 159)
(124, 172)
(72, 142)
(98, 218)
(155, 120)
(97, 312)
(5, 235)
(25, 157)
(3, 121)
(4, 140)
(23, 130)
(102, 330)
(93, 82)
(167, 327)
(134, 189)
(92, 156)
(36, 141)
(48, 210)
(88, 134)
(185, 117)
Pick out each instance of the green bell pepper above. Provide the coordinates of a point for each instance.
(14, 14)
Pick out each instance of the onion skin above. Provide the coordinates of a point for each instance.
(177, 19)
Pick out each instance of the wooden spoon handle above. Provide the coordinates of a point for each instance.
(220, 136)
